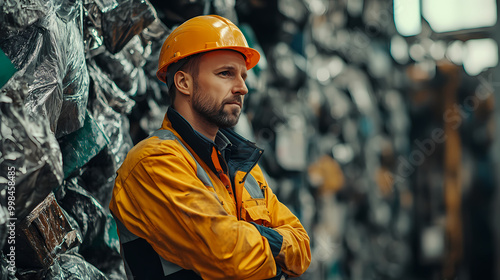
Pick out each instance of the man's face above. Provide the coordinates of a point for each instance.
(218, 92)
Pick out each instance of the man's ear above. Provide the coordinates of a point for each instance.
(183, 82)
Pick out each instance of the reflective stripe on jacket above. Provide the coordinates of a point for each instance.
(169, 192)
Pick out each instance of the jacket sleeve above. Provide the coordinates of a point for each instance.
(162, 201)
(294, 256)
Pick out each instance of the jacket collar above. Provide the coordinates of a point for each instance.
(240, 154)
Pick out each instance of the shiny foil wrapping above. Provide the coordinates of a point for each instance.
(49, 53)
(125, 21)
(64, 125)
(29, 147)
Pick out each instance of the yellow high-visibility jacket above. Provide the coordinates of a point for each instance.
(206, 210)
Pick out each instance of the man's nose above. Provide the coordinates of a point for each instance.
(240, 87)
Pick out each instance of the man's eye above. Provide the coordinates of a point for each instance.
(224, 73)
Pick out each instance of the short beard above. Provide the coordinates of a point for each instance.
(214, 113)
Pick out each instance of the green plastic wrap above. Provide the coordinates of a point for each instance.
(7, 69)
(81, 146)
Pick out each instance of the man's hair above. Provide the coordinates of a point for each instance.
(191, 66)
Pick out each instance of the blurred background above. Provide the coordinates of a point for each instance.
(377, 118)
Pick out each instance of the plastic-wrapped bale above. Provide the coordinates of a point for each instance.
(40, 237)
(100, 244)
(151, 105)
(17, 15)
(105, 89)
(28, 146)
(125, 67)
(99, 176)
(86, 152)
(92, 30)
(155, 34)
(81, 146)
(73, 266)
(50, 54)
(108, 105)
(125, 21)
(75, 81)
(122, 75)
(96, 149)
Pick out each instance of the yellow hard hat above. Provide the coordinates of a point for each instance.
(203, 34)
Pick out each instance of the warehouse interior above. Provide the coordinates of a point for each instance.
(378, 119)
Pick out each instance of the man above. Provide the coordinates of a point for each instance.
(190, 201)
